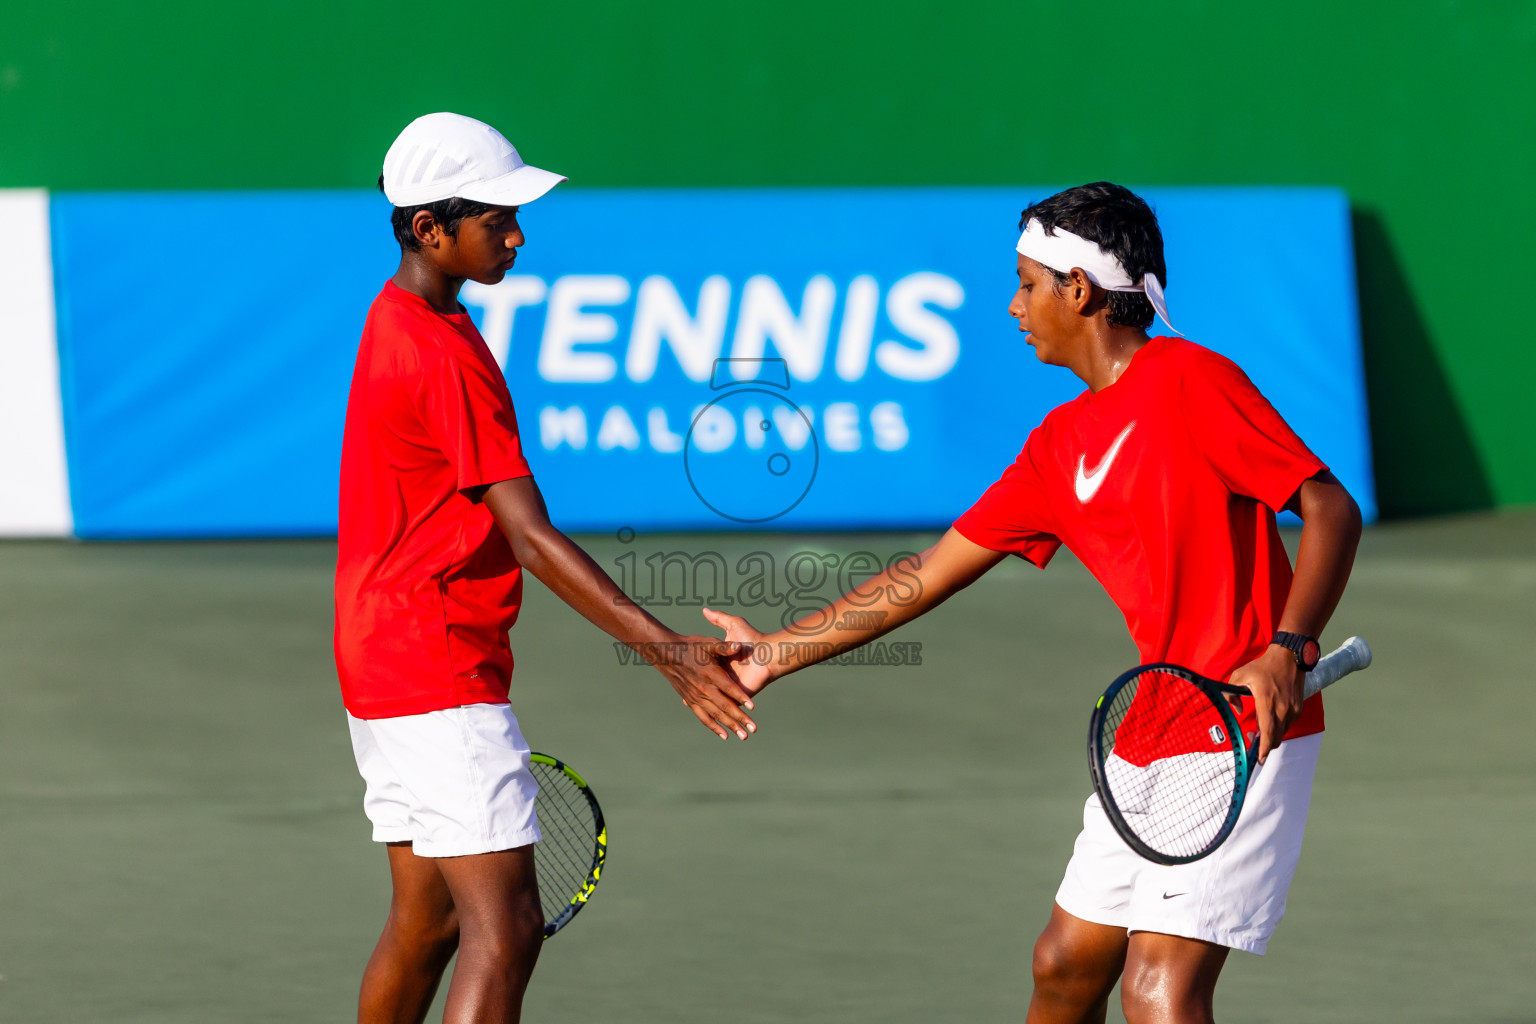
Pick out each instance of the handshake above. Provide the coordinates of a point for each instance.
(717, 678)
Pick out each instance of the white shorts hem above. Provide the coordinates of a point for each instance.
(1246, 942)
(383, 834)
(1093, 915)
(494, 843)
(1243, 942)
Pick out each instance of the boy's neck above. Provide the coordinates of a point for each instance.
(1106, 352)
(422, 278)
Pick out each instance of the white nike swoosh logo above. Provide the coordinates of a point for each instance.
(1088, 484)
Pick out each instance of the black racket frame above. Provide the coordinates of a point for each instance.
(1244, 757)
(576, 901)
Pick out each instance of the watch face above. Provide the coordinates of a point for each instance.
(1309, 653)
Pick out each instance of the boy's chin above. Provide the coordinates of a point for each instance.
(490, 277)
(1044, 353)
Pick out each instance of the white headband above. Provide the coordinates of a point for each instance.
(1063, 250)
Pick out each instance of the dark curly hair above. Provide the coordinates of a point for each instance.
(447, 212)
(1123, 225)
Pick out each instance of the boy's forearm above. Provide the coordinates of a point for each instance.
(562, 566)
(574, 577)
(903, 592)
(828, 632)
(1330, 533)
(713, 696)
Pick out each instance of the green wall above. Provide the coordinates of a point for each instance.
(1423, 112)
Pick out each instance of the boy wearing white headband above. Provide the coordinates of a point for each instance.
(1164, 478)
(439, 516)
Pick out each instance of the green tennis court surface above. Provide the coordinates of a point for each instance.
(182, 839)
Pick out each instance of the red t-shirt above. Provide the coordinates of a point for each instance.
(426, 584)
(1165, 485)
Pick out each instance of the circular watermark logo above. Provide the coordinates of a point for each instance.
(751, 455)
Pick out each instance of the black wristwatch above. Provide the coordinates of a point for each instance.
(1304, 648)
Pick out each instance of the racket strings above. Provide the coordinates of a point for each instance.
(1170, 763)
(566, 856)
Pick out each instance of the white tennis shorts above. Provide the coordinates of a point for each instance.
(451, 782)
(1235, 897)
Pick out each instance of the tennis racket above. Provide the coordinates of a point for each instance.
(570, 858)
(1169, 760)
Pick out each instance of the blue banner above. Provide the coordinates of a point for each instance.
(752, 359)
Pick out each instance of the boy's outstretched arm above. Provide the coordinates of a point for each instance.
(898, 595)
(1330, 532)
(690, 663)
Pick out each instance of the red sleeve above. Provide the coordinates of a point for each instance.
(465, 407)
(1014, 515)
(1249, 445)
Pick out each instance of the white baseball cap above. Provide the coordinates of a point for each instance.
(440, 156)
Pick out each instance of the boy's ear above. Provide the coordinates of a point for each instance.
(1079, 291)
(425, 227)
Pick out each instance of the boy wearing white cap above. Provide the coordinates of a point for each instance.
(1164, 478)
(439, 515)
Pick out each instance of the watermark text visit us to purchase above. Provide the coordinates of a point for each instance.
(796, 588)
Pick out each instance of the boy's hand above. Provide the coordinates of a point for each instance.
(693, 665)
(1276, 684)
(743, 639)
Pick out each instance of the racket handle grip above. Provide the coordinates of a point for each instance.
(1352, 656)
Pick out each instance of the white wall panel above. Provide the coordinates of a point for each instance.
(34, 481)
